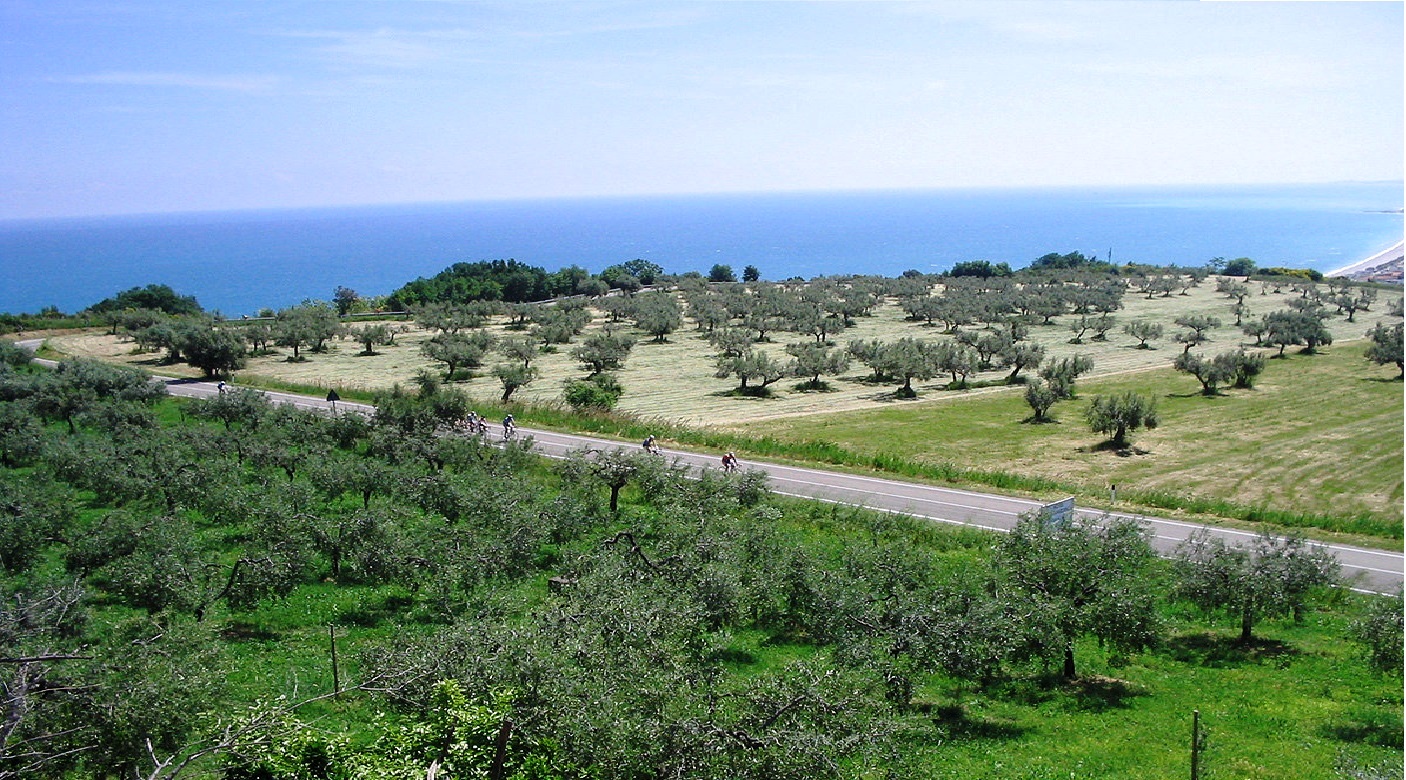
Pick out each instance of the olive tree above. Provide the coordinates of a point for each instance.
(658, 314)
(1378, 631)
(1040, 395)
(1143, 331)
(1210, 372)
(1196, 326)
(513, 377)
(603, 351)
(1291, 328)
(754, 368)
(308, 325)
(1118, 415)
(215, 351)
(813, 360)
(908, 359)
(1268, 577)
(1061, 374)
(1386, 347)
(459, 350)
(371, 336)
(1083, 577)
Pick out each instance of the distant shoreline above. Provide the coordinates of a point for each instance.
(1395, 253)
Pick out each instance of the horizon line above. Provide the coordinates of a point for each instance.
(98, 215)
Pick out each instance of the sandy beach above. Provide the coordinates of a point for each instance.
(1394, 253)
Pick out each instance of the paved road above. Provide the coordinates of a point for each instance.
(1365, 569)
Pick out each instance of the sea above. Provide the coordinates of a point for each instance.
(241, 262)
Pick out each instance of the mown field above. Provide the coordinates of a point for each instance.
(1319, 435)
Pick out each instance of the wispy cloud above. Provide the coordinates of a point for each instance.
(1266, 71)
(410, 47)
(385, 47)
(227, 83)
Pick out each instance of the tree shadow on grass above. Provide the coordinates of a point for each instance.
(1033, 420)
(1378, 726)
(1089, 693)
(750, 394)
(954, 722)
(1195, 394)
(1097, 693)
(1126, 451)
(374, 611)
(244, 631)
(1219, 651)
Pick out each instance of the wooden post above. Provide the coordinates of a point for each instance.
(1195, 744)
(336, 678)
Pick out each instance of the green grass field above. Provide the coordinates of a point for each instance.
(1293, 704)
(1319, 434)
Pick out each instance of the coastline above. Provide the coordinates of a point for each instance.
(1380, 263)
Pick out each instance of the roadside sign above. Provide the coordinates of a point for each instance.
(1058, 513)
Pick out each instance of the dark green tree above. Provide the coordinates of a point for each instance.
(721, 273)
(346, 300)
(217, 352)
(155, 297)
(599, 391)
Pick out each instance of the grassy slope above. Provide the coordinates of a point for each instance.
(1288, 706)
(1321, 435)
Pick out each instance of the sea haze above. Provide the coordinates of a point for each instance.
(239, 262)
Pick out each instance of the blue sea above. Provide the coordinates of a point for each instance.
(237, 263)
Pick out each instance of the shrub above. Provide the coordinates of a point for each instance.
(1379, 633)
(601, 391)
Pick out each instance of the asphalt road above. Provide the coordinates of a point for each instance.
(1364, 569)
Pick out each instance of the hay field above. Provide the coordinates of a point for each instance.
(674, 380)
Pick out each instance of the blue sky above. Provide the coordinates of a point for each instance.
(111, 106)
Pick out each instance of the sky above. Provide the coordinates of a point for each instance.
(137, 106)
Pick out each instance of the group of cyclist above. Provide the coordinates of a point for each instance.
(477, 425)
(730, 462)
